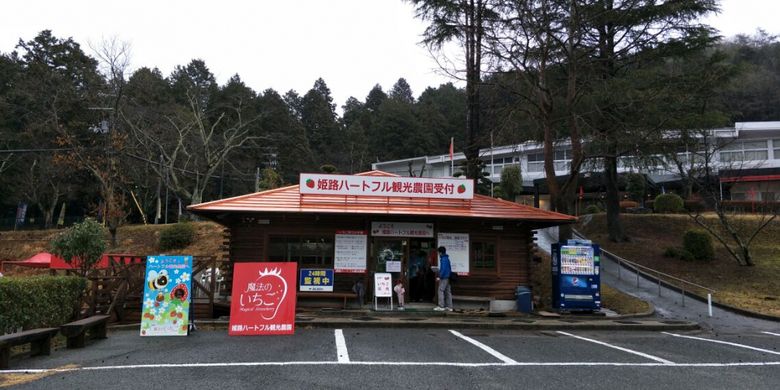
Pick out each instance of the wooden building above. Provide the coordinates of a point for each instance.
(290, 224)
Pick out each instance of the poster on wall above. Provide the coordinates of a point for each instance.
(263, 299)
(166, 301)
(350, 252)
(457, 245)
(393, 266)
(316, 280)
(401, 229)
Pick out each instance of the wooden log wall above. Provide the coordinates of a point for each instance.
(249, 238)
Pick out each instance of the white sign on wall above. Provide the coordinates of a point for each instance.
(383, 285)
(401, 229)
(350, 251)
(393, 266)
(457, 245)
(395, 186)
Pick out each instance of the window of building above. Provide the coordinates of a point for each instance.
(305, 250)
(484, 254)
(776, 146)
(744, 151)
(562, 161)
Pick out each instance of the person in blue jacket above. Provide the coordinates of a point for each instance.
(445, 271)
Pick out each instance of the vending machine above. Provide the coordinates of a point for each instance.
(576, 283)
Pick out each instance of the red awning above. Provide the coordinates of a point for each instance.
(754, 178)
(48, 260)
(41, 260)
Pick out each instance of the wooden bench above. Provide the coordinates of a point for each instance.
(76, 331)
(39, 340)
(327, 294)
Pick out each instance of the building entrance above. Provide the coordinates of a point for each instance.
(408, 260)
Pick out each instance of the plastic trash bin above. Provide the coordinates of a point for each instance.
(524, 301)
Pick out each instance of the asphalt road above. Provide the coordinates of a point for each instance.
(413, 358)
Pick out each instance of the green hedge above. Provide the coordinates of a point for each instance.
(699, 244)
(39, 301)
(177, 236)
(668, 203)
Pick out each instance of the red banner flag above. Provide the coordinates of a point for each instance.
(452, 148)
(263, 299)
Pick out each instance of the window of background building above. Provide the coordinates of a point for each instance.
(744, 151)
(484, 254)
(305, 250)
(776, 146)
(561, 163)
(536, 162)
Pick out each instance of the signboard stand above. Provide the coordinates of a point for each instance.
(383, 288)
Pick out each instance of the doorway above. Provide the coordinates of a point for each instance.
(391, 256)
(420, 278)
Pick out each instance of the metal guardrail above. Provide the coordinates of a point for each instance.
(660, 277)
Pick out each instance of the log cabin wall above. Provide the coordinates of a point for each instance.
(249, 238)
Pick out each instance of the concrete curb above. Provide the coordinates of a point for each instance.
(369, 321)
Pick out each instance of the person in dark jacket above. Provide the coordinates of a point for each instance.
(445, 271)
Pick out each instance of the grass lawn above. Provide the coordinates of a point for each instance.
(752, 288)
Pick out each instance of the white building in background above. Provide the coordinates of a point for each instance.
(753, 146)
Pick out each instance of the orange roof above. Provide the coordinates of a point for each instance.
(289, 200)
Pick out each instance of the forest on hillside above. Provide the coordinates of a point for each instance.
(83, 132)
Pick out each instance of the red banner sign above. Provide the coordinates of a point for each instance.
(263, 299)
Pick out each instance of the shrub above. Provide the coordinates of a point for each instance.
(81, 245)
(39, 301)
(684, 255)
(699, 244)
(592, 209)
(636, 186)
(668, 203)
(671, 252)
(177, 236)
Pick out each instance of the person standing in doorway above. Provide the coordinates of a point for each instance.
(445, 271)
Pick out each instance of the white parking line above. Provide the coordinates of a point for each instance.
(642, 354)
(496, 354)
(341, 347)
(773, 334)
(723, 342)
(394, 364)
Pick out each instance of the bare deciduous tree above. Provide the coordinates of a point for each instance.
(698, 166)
(189, 148)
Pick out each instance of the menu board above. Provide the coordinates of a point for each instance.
(577, 260)
(383, 285)
(457, 245)
(350, 251)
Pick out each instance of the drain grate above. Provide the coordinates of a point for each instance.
(412, 319)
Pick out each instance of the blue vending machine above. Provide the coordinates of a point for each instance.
(576, 283)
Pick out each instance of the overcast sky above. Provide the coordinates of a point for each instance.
(352, 44)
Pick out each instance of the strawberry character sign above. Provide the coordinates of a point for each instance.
(263, 299)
